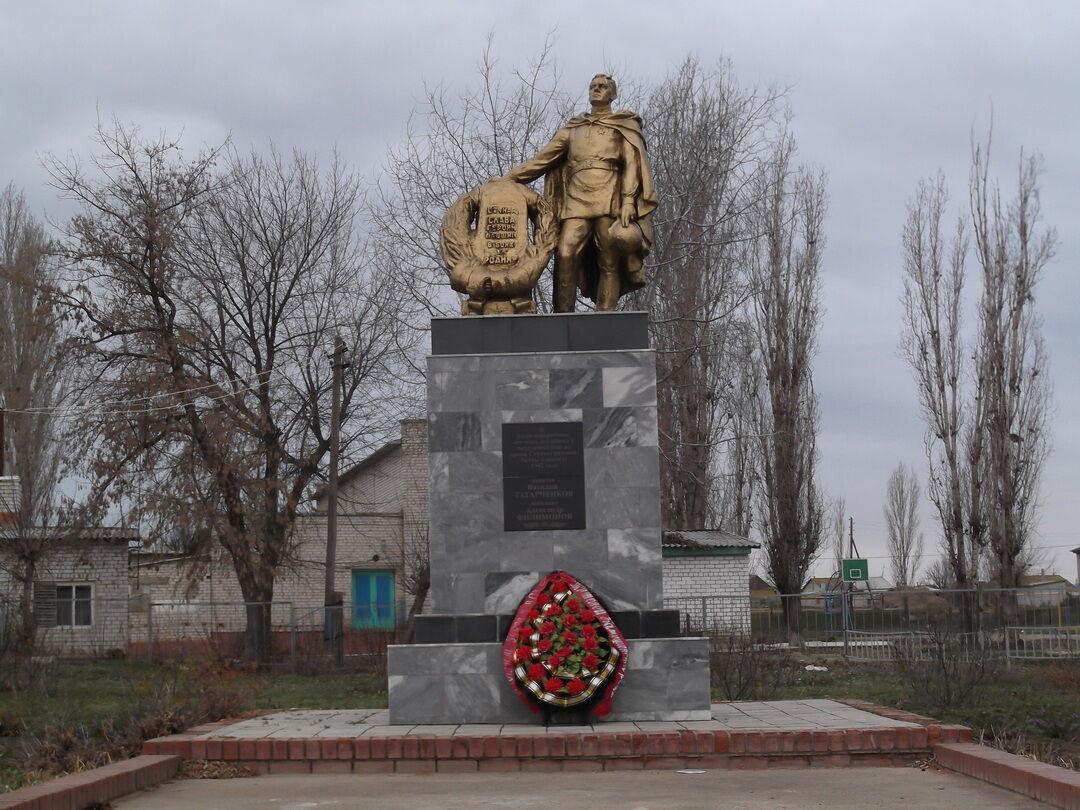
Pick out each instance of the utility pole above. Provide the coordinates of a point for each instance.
(3, 447)
(333, 600)
(846, 606)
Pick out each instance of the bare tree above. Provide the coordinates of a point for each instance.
(33, 382)
(786, 273)
(1012, 248)
(454, 143)
(838, 531)
(986, 424)
(709, 138)
(940, 574)
(933, 344)
(210, 301)
(902, 523)
(710, 141)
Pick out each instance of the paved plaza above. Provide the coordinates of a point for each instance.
(777, 715)
(835, 788)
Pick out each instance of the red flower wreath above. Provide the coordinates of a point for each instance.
(562, 648)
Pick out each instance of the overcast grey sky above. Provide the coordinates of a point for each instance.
(882, 95)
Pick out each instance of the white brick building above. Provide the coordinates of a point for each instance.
(382, 518)
(80, 592)
(706, 576)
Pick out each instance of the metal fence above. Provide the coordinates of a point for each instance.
(296, 636)
(883, 625)
(1020, 624)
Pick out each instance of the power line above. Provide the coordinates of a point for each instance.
(101, 409)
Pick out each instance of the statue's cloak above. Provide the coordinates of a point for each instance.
(627, 124)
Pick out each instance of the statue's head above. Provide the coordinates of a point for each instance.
(602, 89)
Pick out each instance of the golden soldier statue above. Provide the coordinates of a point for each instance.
(597, 179)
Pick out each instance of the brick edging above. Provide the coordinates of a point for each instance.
(568, 751)
(1038, 780)
(100, 785)
(938, 731)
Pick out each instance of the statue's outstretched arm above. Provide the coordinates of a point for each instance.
(544, 161)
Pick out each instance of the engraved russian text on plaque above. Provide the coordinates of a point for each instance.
(543, 476)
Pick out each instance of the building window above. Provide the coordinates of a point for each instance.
(374, 607)
(74, 605)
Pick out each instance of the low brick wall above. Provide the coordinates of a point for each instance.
(97, 786)
(1055, 786)
(571, 751)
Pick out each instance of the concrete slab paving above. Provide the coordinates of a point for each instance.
(783, 715)
(837, 789)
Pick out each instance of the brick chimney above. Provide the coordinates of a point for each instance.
(10, 495)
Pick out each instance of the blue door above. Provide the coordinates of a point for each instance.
(373, 600)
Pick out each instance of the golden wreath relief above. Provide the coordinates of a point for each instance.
(485, 243)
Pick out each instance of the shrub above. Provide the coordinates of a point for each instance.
(165, 700)
(741, 669)
(944, 668)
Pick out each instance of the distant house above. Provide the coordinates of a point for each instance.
(381, 536)
(760, 587)
(1042, 591)
(865, 594)
(80, 594)
(705, 575)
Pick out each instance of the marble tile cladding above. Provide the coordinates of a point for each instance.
(576, 388)
(625, 586)
(540, 360)
(622, 508)
(453, 431)
(608, 467)
(637, 546)
(466, 514)
(478, 695)
(461, 391)
(466, 593)
(439, 471)
(473, 553)
(629, 386)
(581, 549)
(476, 567)
(666, 679)
(456, 363)
(519, 554)
(503, 591)
(412, 697)
(620, 427)
(523, 388)
(547, 415)
(436, 659)
(643, 357)
(480, 471)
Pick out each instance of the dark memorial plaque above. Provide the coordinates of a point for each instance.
(543, 476)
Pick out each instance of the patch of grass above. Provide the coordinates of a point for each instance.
(1028, 708)
(323, 691)
(71, 716)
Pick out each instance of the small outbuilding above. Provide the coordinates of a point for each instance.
(706, 576)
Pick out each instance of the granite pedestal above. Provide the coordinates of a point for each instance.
(589, 380)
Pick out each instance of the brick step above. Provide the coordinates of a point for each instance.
(96, 786)
(1047, 783)
(555, 751)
